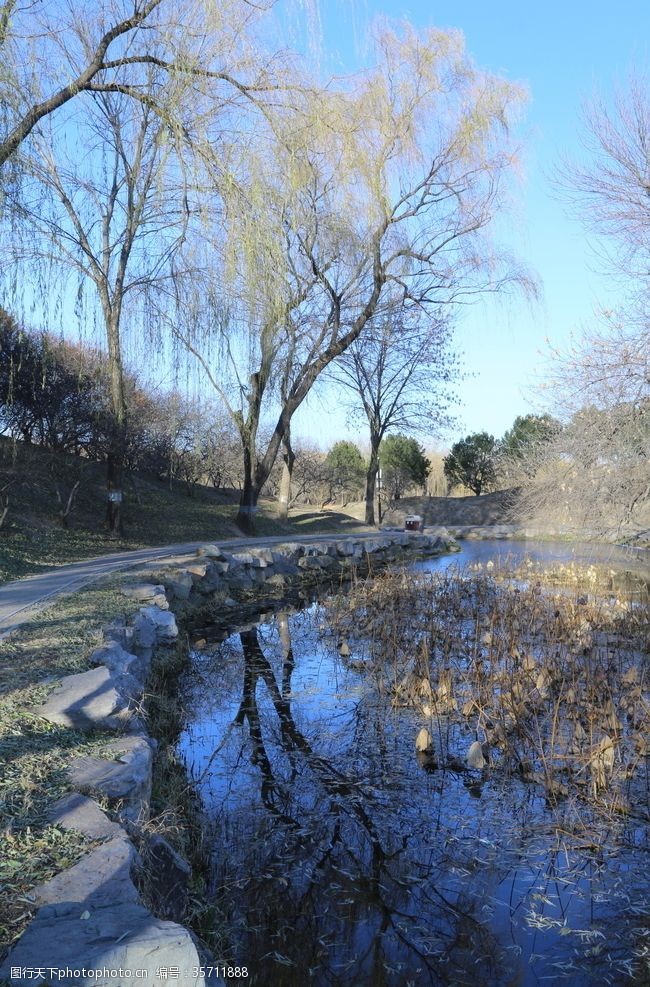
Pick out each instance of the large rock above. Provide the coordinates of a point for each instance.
(293, 550)
(147, 592)
(120, 661)
(210, 552)
(102, 877)
(317, 562)
(153, 626)
(240, 576)
(285, 565)
(264, 554)
(197, 569)
(128, 778)
(348, 549)
(93, 700)
(181, 583)
(78, 812)
(249, 559)
(117, 944)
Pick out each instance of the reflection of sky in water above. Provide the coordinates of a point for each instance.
(339, 860)
(542, 551)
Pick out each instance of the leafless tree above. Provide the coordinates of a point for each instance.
(611, 193)
(114, 217)
(594, 479)
(398, 373)
(355, 202)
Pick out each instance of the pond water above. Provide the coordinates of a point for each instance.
(548, 552)
(340, 857)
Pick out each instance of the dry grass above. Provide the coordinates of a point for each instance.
(35, 754)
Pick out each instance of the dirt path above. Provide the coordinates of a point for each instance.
(21, 599)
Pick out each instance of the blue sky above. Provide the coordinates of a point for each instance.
(565, 53)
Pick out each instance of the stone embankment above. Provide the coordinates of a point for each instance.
(92, 925)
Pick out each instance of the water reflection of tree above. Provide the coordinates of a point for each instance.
(332, 889)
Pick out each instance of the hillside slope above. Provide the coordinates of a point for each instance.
(32, 538)
(493, 508)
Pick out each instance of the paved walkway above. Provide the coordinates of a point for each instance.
(23, 598)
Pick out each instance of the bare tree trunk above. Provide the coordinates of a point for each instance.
(117, 444)
(289, 458)
(245, 519)
(371, 479)
(66, 509)
(4, 502)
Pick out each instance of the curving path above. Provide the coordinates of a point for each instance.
(21, 599)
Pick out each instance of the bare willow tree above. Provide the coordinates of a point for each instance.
(52, 53)
(611, 192)
(107, 182)
(398, 374)
(358, 196)
(595, 477)
(36, 82)
(111, 219)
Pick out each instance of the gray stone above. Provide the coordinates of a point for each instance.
(248, 559)
(285, 564)
(475, 758)
(162, 622)
(127, 779)
(423, 741)
(117, 937)
(438, 531)
(210, 552)
(317, 562)
(91, 700)
(316, 549)
(102, 877)
(291, 549)
(180, 585)
(119, 661)
(197, 570)
(168, 876)
(264, 554)
(77, 812)
(144, 632)
(213, 578)
(346, 548)
(241, 576)
(147, 592)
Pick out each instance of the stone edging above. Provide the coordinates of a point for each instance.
(92, 926)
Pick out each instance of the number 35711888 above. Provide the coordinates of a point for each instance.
(236, 972)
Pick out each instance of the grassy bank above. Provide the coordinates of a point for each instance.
(33, 539)
(36, 753)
